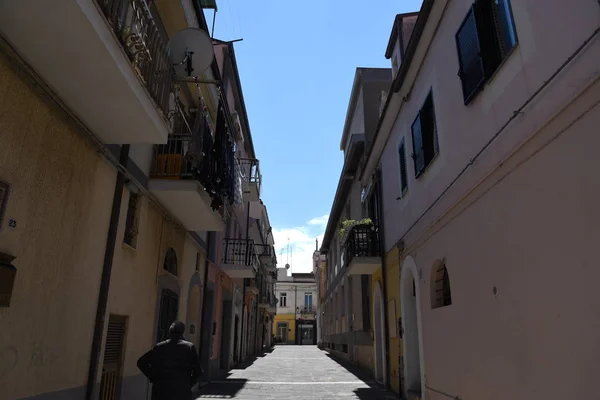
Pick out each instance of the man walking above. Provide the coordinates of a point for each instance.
(172, 366)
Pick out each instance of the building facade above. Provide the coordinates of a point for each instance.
(296, 318)
(484, 184)
(118, 184)
(351, 244)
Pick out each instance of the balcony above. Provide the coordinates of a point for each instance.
(362, 251)
(105, 59)
(266, 255)
(268, 302)
(239, 258)
(251, 177)
(192, 175)
(252, 288)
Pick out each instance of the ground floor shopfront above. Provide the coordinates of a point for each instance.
(287, 329)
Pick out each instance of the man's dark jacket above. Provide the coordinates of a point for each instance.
(173, 368)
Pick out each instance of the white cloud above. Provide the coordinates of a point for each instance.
(321, 221)
(301, 244)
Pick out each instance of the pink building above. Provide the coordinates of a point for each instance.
(486, 147)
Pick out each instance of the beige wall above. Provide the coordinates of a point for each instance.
(520, 219)
(61, 195)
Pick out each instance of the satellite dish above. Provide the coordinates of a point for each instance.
(287, 266)
(191, 52)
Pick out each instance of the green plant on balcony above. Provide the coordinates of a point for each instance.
(347, 225)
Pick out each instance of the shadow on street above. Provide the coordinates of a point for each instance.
(221, 390)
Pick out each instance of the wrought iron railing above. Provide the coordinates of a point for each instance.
(362, 241)
(250, 172)
(240, 252)
(143, 41)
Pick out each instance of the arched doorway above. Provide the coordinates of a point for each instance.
(236, 333)
(411, 325)
(379, 335)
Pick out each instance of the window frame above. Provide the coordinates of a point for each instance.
(283, 295)
(488, 29)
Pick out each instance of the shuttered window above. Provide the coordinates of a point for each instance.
(471, 70)
(114, 340)
(424, 135)
(403, 174)
(483, 40)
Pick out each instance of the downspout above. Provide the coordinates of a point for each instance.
(209, 244)
(245, 334)
(383, 279)
(111, 240)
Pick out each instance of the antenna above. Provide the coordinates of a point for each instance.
(191, 52)
(287, 264)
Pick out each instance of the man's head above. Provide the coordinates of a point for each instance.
(177, 328)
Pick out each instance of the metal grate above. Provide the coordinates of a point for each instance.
(362, 241)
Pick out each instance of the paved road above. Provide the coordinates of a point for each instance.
(295, 373)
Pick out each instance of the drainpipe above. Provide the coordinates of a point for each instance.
(245, 334)
(111, 240)
(383, 280)
(209, 244)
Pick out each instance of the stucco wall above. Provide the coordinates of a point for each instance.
(61, 193)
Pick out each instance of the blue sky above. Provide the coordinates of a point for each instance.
(297, 64)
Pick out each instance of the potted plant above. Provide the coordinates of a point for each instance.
(347, 225)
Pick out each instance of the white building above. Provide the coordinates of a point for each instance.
(295, 321)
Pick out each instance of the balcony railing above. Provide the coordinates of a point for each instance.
(362, 241)
(191, 153)
(240, 252)
(145, 45)
(250, 172)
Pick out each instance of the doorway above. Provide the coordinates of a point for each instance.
(379, 335)
(206, 327)
(236, 333)
(226, 334)
(306, 334)
(282, 332)
(410, 295)
(169, 308)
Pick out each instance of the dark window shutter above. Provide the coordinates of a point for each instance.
(418, 155)
(488, 39)
(428, 131)
(470, 59)
(114, 340)
(403, 175)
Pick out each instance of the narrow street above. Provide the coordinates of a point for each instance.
(298, 373)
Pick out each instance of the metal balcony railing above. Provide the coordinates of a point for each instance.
(240, 252)
(144, 43)
(362, 241)
(250, 171)
(192, 153)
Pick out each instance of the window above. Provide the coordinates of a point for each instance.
(402, 161)
(440, 287)
(484, 39)
(131, 221)
(283, 299)
(308, 301)
(424, 135)
(3, 200)
(170, 264)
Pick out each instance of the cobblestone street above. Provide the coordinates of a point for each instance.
(295, 373)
